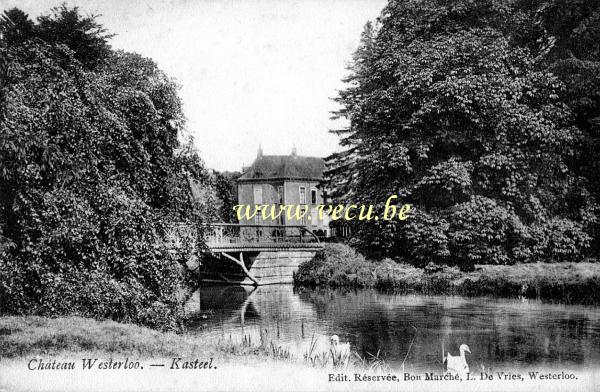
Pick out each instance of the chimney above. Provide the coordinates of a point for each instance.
(259, 154)
(294, 151)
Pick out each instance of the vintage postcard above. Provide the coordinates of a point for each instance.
(299, 195)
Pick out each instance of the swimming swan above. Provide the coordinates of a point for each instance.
(457, 365)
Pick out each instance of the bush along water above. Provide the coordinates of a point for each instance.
(338, 265)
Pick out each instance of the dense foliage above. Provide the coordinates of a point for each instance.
(338, 265)
(93, 175)
(226, 188)
(484, 115)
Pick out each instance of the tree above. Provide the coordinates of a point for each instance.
(15, 26)
(448, 111)
(574, 59)
(226, 189)
(82, 34)
(62, 26)
(93, 178)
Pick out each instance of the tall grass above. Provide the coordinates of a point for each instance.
(374, 362)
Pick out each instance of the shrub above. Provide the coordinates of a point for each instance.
(339, 266)
(336, 265)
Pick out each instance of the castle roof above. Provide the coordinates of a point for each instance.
(279, 167)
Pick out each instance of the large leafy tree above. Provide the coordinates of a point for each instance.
(93, 176)
(452, 106)
(575, 60)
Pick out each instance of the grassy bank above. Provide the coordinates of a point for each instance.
(33, 335)
(338, 265)
(27, 336)
(238, 363)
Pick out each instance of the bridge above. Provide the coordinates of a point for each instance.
(264, 254)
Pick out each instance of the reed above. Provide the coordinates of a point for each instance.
(373, 362)
(278, 352)
(265, 346)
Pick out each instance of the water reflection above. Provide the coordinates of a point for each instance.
(502, 333)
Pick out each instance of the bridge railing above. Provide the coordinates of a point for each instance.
(232, 233)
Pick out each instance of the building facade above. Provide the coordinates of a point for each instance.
(290, 180)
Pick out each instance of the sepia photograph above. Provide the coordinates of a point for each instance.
(299, 195)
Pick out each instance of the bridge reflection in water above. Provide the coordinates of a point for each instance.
(502, 333)
(275, 313)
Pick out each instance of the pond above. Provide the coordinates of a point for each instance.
(405, 330)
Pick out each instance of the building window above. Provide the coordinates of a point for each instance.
(313, 196)
(302, 195)
(280, 193)
(258, 194)
(257, 219)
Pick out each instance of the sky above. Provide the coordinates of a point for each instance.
(252, 72)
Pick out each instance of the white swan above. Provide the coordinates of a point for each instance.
(458, 365)
(339, 351)
(341, 347)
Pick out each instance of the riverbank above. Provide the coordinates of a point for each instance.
(33, 336)
(337, 265)
(71, 351)
(43, 354)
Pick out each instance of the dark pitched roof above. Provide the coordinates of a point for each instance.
(284, 166)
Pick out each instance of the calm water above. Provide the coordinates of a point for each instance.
(502, 333)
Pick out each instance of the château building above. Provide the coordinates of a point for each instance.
(288, 180)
